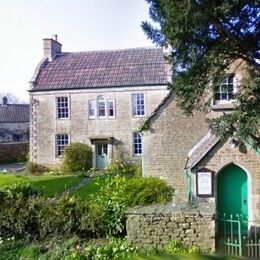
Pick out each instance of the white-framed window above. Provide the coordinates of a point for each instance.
(62, 141)
(62, 105)
(225, 92)
(91, 109)
(137, 143)
(111, 108)
(138, 106)
(101, 106)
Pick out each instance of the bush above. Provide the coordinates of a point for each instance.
(110, 203)
(35, 169)
(117, 193)
(24, 214)
(77, 157)
(15, 217)
(148, 190)
(121, 166)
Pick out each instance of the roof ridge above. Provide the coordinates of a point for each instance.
(112, 50)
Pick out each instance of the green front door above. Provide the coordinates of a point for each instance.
(232, 192)
(101, 156)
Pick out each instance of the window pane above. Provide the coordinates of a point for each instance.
(62, 107)
(111, 108)
(91, 108)
(225, 91)
(138, 104)
(62, 140)
(137, 143)
(101, 106)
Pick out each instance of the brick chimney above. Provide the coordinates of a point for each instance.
(51, 47)
(5, 101)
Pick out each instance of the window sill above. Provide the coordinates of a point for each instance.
(223, 106)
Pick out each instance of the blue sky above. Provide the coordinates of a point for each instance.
(81, 25)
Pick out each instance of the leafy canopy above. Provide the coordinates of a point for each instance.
(206, 37)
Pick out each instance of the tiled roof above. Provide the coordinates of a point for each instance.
(14, 113)
(201, 149)
(93, 69)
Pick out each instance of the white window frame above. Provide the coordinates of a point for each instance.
(136, 107)
(222, 88)
(101, 99)
(92, 101)
(59, 102)
(137, 144)
(112, 101)
(60, 147)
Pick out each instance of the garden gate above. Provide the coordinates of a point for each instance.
(238, 236)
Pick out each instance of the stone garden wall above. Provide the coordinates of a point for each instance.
(155, 226)
(13, 152)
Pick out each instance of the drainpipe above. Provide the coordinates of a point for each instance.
(187, 173)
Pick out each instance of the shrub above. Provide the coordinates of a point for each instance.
(24, 214)
(110, 202)
(77, 158)
(15, 217)
(148, 190)
(35, 169)
(121, 166)
(117, 193)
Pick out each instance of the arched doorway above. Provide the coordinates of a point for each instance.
(232, 189)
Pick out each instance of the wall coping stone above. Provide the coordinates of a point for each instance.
(202, 208)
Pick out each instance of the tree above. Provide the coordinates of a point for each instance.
(206, 37)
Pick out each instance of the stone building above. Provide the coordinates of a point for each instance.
(202, 168)
(97, 97)
(14, 122)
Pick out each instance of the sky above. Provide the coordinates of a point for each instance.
(81, 25)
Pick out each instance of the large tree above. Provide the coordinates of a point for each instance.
(206, 37)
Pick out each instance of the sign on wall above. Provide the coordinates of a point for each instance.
(204, 183)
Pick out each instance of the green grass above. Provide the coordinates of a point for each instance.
(90, 188)
(50, 185)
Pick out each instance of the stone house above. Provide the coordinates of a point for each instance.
(202, 168)
(97, 97)
(14, 122)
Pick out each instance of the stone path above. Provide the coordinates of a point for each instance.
(83, 182)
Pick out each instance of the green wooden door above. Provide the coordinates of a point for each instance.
(232, 191)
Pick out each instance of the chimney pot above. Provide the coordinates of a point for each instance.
(5, 101)
(55, 37)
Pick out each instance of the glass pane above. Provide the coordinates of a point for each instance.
(105, 149)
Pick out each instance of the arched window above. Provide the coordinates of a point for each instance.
(101, 106)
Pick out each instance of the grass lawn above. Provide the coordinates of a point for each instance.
(50, 185)
(91, 187)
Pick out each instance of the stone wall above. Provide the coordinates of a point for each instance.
(155, 226)
(13, 152)
(167, 142)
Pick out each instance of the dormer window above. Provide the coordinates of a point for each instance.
(225, 92)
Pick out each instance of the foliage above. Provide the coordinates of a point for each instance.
(206, 38)
(110, 200)
(145, 191)
(117, 193)
(176, 247)
(15, 218)
(120, 165)
(77, 158)
(35, 169)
